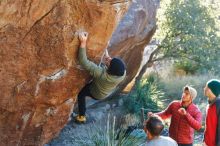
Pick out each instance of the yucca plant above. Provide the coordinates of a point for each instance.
(145, 95)
(109, 135)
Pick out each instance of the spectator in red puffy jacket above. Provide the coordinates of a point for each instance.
(185, 117)
(212, 126)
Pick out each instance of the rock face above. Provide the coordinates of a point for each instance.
(133, 34)
(39, 73)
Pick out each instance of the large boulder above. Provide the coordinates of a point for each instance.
(133, 34)
(39, 72)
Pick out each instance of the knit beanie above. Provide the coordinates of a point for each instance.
(214, 86)
(192, 91)
(116, 67)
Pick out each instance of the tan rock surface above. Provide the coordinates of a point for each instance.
(39, 72)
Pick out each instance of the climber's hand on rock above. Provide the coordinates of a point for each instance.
(106, 53)
(83, 36)
(107, 60)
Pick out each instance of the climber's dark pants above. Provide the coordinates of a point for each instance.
(82, 99)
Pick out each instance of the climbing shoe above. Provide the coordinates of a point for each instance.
(80, 119)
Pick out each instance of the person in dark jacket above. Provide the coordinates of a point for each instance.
(105, 77)
(212, 127)
(185, 117)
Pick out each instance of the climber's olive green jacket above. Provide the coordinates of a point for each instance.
(103, 84)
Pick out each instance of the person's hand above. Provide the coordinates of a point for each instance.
(83, 36)
(106, 53)
(107, 60)
(149, 114)
(182, 111)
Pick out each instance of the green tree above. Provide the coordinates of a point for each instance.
(187, 32)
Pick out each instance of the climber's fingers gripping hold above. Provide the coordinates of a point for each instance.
(86, 34)
(83, 36)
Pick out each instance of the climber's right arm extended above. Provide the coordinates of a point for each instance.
(93, 69)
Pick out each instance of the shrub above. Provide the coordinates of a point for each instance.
(109, 135)
(145, 95)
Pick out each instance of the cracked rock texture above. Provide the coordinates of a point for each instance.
(39, 72)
